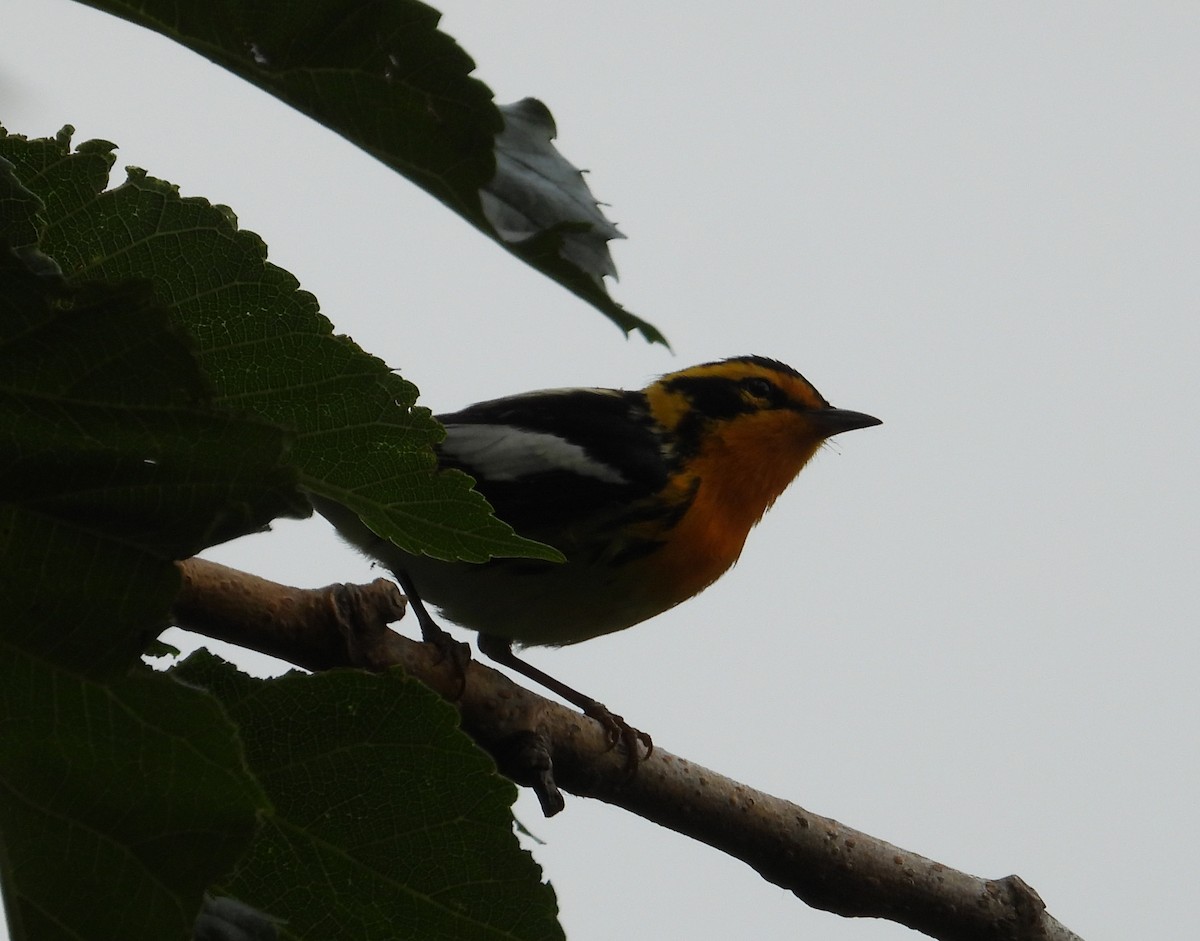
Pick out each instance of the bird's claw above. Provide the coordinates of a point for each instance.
(617, 730)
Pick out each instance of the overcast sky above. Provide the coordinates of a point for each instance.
(971, 631)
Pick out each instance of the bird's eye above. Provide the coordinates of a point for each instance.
(759, 388)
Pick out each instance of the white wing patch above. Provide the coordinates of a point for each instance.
(505, 452)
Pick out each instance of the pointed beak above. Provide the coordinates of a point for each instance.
(833, 421)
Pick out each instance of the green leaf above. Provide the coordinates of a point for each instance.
(122, 802)
(383, 76)
(113, 463)
(264, 344)
(123, 796)
(20, 209)
(387, 821)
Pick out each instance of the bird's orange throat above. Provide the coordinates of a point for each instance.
(736, 479)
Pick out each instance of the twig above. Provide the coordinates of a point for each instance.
(538, 742)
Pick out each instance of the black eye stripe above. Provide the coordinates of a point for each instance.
(719, 397)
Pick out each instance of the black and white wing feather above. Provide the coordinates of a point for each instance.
(559, 458)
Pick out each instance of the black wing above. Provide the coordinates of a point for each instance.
(552, 460)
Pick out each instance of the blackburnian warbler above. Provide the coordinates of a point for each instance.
(649, 495)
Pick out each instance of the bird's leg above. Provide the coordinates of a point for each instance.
(615, 728)
(459, 654)
(529, 753)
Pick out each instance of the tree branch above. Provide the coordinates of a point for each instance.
(540, 743)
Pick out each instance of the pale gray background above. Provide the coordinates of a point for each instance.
(970, 631)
